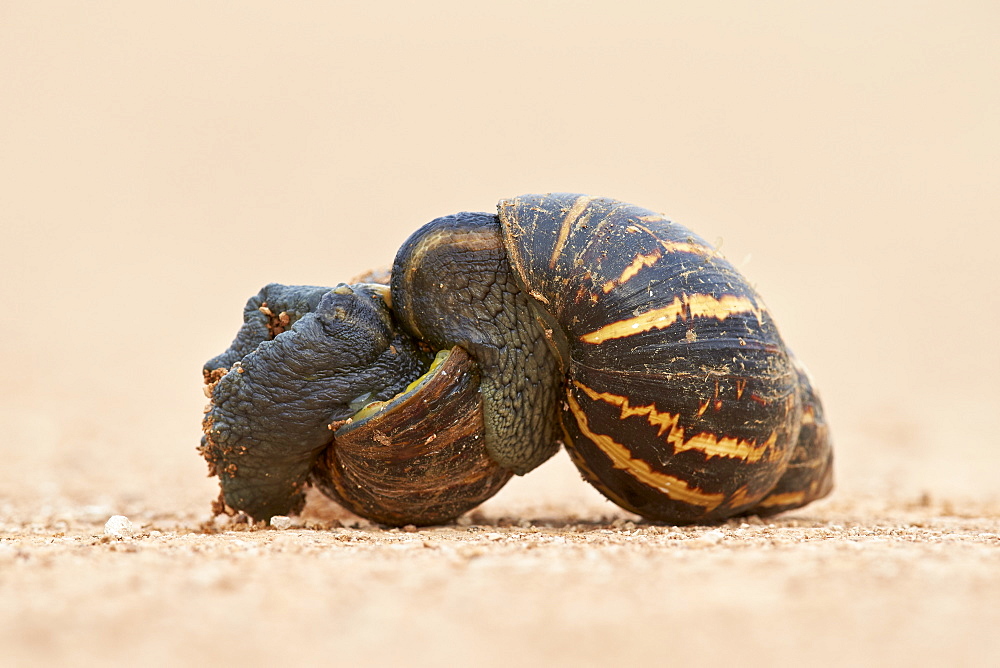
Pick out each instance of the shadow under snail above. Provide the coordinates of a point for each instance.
(564, 319)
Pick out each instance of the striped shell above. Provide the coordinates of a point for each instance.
(419, 459)
(682, 402)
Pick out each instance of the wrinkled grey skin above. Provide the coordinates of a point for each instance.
(452, 285)
(295, 300)
(270, 414)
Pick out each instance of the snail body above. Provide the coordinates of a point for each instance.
(571, 319)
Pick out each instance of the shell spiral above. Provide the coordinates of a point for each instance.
(682, 403)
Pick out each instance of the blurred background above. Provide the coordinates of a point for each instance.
(159, 163)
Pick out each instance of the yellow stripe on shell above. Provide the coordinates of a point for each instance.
(683, 306)
(707, 443)
(621, 459)
(685, 247)
(670, 246)
(808, 415)
(638, 263)
(742, 497)
(572, 215)
(785, 499)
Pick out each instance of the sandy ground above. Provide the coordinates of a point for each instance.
(855, 583)
(160, 164)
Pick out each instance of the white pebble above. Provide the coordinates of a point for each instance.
(281, 522)
(119, 527)
(707, 539)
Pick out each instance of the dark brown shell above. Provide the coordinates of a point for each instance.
(682, 402)
(421, 460)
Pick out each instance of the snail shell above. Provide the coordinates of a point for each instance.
(420, 458)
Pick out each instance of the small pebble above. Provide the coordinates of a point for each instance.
(281, 522)
(119, 527)
(707, 539)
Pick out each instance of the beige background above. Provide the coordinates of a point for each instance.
(160, 163)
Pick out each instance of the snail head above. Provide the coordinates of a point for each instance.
(306, 358)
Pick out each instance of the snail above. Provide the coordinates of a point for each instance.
(562, 319)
